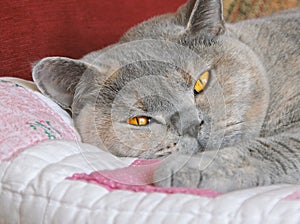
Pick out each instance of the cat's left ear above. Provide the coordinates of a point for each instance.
(204, 16)
(57, 78)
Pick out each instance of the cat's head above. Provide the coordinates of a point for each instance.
(162, 88)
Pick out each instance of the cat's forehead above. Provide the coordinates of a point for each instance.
(146, 83)
(152, 75)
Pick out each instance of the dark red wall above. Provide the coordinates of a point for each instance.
(33, 29)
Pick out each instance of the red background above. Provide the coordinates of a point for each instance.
(33, 29)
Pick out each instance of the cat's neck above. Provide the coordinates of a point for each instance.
(266, 35)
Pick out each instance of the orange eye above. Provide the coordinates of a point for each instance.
(139, 121)
(201, 82)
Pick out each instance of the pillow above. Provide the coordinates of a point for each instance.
(27, 118)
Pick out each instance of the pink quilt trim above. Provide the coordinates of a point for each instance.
(26, 120)
(294, 196)
(138, 178)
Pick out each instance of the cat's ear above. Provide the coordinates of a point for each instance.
(57, 78)
(205, 16)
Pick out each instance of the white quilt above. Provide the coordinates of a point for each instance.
(34, 189)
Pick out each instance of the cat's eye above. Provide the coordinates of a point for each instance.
(139, 121)
(201, 82)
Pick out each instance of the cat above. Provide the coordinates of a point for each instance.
(218, 102)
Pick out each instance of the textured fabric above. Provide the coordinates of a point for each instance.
(34, 190)
(27, 119)
(33, 29)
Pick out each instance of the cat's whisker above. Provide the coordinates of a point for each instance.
(232, 124)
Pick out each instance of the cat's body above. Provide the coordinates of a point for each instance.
(242, 131)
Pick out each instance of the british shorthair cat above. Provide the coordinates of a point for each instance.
(218, 102)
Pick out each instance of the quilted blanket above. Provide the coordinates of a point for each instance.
(48, 176)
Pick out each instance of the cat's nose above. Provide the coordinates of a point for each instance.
(192, 130)
(186, 123)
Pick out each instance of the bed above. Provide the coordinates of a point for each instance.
(47, 175)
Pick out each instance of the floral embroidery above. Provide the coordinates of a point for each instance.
(17, 85)
(46, 126)
(12, 84)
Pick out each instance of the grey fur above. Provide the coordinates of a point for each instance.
(242, 131)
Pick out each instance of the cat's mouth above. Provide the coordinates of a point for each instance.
(186, 144)
(166, 151)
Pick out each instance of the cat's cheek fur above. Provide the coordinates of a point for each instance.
(86, 125)
(122, 140)
(237, 98)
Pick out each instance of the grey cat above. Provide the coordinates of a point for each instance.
(219, 102)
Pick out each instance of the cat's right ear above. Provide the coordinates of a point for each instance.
(57, 78)
(203, 16)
